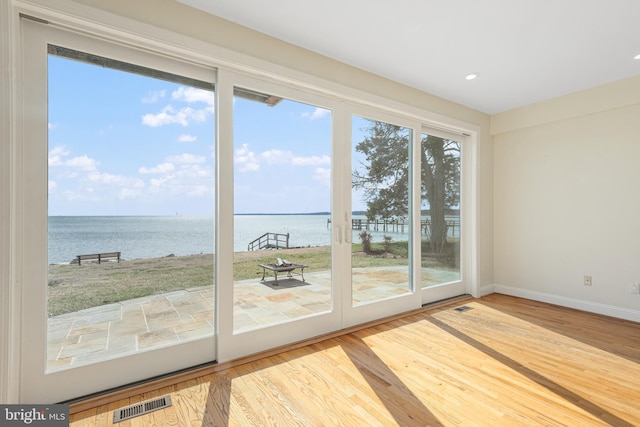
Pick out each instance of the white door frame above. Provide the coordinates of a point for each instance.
(467, 254)
(234, 345)
(355, 315)
(37, 385)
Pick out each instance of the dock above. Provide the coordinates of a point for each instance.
(398, 226)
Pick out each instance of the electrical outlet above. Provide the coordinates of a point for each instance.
(587, 280)
(634, 289)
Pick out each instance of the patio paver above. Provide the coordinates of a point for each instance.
(120, 329)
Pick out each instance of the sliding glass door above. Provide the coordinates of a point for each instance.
(120, 208)
(171, 214)
(441, 215)
(282, 199)
(380, 228)
(281, 163)
(380, 210)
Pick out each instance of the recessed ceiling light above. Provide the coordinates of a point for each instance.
(637, 56)
(472, 76)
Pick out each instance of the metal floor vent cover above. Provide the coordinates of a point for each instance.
(141, 408)
(463, 308)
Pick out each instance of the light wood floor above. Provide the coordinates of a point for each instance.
(504, 362)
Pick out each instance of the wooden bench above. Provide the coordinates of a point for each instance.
(282, 268)
(106, 256)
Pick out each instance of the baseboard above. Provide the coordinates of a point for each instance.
(486, 290)
(590, 306)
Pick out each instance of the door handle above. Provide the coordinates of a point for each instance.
(347, 230)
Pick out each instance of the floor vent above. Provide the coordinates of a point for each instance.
(463, 308)
(141, 408)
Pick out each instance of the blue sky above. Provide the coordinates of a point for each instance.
(124, 144)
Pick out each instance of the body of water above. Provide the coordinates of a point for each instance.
(158, 236)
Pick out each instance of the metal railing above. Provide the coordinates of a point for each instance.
(269, 241)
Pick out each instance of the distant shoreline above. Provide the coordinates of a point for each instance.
(201, 215)
(452, 212)
(296, 214)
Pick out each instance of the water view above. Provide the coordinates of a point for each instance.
(159, 236)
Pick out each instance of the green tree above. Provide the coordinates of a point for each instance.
(383, 176)
(440, 172)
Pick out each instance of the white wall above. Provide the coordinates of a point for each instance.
(567, 199)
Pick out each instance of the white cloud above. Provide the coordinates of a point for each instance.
(186, 115)
(128, 193)
(323, 175)
(198, 191)
(187, 138)
(318, 113)
(87, 195)
(190, 94)
(311, 161)
(160, 169)
(83, 162)
(183, 183)
(52, 126)
(156, 183)
(282, 156)
(277, 156)
(246, 159)
(191, 171)
(117, 180)
(154, 96)
(249, 161)
(203, 173)
(56, 154)
(52, 185)
(170, 115)
(186, 159)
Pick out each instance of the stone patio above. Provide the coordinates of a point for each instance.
(115, 330)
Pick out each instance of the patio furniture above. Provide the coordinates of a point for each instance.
(105, 256)
(283, 267)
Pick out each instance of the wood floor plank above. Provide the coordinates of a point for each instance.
(84, 418)
(324, 398)
(103, 417)
(167, 417)
(506, 361)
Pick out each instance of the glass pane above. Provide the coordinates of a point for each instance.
(380, 209)
(131, 190)
(282, 170)
(440, 210)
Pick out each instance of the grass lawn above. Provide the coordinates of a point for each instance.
(73, 288)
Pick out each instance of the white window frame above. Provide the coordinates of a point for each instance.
(234, 345)
(31, 231)
(411, 300)
(447, 290)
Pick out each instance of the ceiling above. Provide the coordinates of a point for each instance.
(523, 51)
